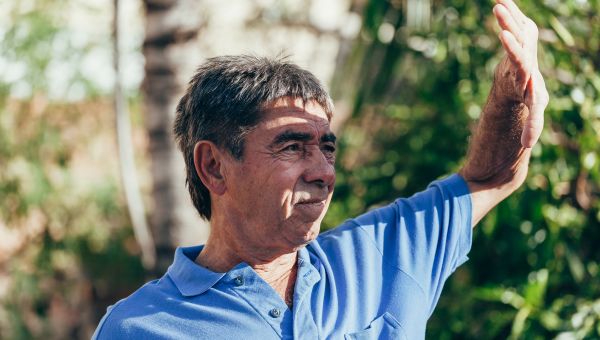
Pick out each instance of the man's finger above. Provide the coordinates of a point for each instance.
(516, 52)
(528, 33)
(507, 22)
(514, 10)
(518, 57)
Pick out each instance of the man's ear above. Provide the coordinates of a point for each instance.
(208, 162)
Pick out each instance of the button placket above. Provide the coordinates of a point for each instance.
(262, 297)
(304, 326)
(275, 312)
(238, 280)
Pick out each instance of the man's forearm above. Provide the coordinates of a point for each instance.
(497, 161)
(496, 156)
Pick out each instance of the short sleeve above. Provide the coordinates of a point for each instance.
(427, 236)
(109, 328)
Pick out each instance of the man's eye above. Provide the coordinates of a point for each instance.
(329, 148)
(292, 147)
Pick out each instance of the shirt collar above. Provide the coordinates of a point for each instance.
(306, 257)
(192, 279)
(189, 277)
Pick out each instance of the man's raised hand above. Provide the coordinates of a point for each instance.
(517, 77)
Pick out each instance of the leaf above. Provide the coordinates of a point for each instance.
(519, 323)
(562, 31)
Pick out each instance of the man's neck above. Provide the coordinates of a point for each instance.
(278, 270)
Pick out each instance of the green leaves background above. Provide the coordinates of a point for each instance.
(534, 271)
(416, 86)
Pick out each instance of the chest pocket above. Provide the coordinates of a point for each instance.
(384, 327)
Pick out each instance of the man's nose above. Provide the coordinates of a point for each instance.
(320, 170)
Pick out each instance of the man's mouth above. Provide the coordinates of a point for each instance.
(312, 201)
(311, 207)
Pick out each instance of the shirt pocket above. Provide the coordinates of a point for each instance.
(383, 327)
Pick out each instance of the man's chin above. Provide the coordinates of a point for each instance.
(311, 236)
(302, 240)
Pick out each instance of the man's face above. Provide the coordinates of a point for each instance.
(279, 192)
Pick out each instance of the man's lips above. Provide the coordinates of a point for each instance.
(313, 201)
(311, 208)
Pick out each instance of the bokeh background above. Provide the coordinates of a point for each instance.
(87, 96)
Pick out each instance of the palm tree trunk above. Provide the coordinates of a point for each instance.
(171, 30)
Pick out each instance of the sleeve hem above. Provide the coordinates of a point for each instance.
(461, 192)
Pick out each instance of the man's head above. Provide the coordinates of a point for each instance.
(226, 99)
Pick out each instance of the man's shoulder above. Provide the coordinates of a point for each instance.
(423, 202)
(336, 244)
(354, 228)
(398, 223)
(123, 318)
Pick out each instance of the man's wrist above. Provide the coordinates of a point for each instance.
(501, 105)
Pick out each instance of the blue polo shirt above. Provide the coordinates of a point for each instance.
(378, 276)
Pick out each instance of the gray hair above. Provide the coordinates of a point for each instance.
(223, 102)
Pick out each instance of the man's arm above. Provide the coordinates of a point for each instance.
(512, 119)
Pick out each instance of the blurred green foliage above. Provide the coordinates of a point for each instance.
(67, 245)
(534, 271)
(417, 91)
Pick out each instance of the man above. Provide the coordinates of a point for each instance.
(260, 165)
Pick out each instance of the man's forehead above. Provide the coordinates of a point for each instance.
(289, 113)
(287, 101)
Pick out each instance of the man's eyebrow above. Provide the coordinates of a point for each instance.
(288, 135)
(328, 137)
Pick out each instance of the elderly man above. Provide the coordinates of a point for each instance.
(260, 165)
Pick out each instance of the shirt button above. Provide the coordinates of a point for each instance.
(239, 280)
(275, 312)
